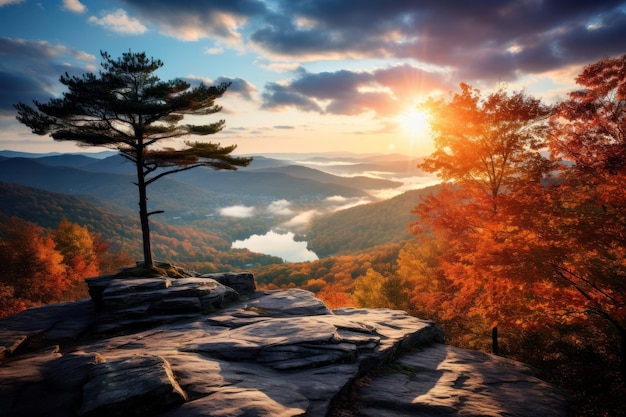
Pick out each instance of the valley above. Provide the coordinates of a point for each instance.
(287, 203)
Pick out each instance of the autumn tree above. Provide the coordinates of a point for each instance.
(486, 145)
(374, 290)
(588, 206)
(42, 266)
(31, 265)
(487, 149)
(126, 107)
(78, 248)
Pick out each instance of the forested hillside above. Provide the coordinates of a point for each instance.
(188, 246)
(365, 226)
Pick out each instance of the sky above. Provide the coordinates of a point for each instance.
(309, 76)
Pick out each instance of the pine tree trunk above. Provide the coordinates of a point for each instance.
(143, 212)
(145, 227)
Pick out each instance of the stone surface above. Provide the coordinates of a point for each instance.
(447, 381)
(243, 282)
(194, 346)
(133, 385)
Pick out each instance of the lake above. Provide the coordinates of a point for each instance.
(282, 245)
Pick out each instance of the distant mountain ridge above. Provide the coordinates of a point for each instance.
(17, 154)
(196, 197)
(121, 231)
(78, 174)
(362, 182)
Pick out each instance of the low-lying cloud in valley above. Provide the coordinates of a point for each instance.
(300, 220)
(238, 211)
(280, 208)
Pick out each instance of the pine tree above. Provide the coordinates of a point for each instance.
(126, 107)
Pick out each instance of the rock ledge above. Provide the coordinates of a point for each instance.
(214, 346)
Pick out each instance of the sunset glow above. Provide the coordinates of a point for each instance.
(306, 76)
(415, 124)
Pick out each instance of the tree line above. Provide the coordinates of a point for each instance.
(43, 266)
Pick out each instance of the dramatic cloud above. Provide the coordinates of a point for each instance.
(383, 91)
(120, 22)
(366, 61)
(472, 38)
(238, 86)
(40, 65)
(278, 97)
(191, 20)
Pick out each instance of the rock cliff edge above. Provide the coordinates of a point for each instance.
(213, 345)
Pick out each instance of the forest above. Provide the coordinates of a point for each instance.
(526, 233)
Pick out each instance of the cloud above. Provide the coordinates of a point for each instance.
(301, 219)
(40, 63)
(279, 66)
(74, 6)
(237, 211)
(338, 202)
(382, 91)
(278, 97)
(9, 2)
(120, 22)
(470, 39)
(238, 86)
(485, 41)
(336, 199)
(280, 208)
(214, 51)
(191, 20)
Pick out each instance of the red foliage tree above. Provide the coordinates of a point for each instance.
(588, 207)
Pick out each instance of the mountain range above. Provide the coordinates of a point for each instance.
(196, 197)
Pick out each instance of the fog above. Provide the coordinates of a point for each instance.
(237, 211)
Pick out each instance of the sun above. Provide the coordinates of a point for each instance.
(414, 123)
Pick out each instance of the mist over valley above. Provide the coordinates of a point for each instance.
(268, 207)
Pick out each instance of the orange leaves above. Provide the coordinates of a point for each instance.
(484, 142)
(333, 296)
(517, 245)
(32, 266)
(42, 266)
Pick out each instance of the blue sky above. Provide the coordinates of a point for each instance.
(309, 76)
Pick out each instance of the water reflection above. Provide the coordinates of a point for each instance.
(277, 244)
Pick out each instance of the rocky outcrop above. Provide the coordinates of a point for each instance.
(214, 346)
